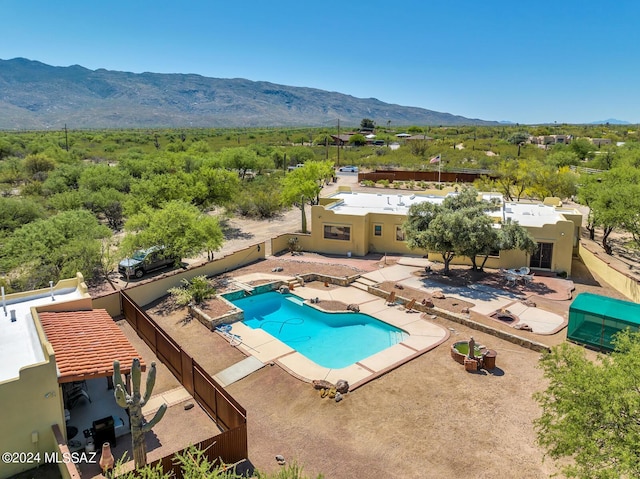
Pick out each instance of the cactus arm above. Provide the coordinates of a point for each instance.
(151, 381)
(121, 397)
(136, 376)
(159, 413)
(117, 376)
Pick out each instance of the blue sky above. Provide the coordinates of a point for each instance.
(526, 62)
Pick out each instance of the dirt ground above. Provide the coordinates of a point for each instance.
(427, 419)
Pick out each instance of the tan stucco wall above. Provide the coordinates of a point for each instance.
(562, 234)
(600, 265)
(29, 404)
(144, 292)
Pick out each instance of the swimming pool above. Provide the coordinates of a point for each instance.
(331, 340)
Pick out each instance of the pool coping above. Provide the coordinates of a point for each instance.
(423, 336)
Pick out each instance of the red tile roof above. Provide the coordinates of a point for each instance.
(86, 343)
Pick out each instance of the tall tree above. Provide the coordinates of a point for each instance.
(461, 226)
(590, 420)
(367, 123)
(180, 227)
(302, 186)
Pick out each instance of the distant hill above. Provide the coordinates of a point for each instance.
(38, 96)
(610, 121)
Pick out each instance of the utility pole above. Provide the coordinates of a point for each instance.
(326, 146)
(66, 138)
(339, 142)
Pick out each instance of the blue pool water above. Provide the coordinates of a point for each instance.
(332, 340)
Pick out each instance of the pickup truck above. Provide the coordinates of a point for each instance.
(299, 165)
(145, 261)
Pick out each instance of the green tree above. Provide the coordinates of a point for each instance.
(108, 203)
(94, 178)
(37, 165)
(612, 199)
(303, 185)
(367, 123)
(513, 236)
(179, 226)
(219, 186)
(518, 137)
(243, 159)
(357, 140)
(550, 181)
(590, 418)
(16, 212)
(63, 179)
(563, 157)
(461, 226)
(54, 248)
(582, 148)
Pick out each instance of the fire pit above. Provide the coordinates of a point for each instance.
(505, 315)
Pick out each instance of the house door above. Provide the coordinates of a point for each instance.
(542, 257)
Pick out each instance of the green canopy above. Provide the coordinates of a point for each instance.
(595, 319)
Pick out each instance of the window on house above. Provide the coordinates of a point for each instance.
(377, 230)
(399, 233)
(337, 232)
(495, 253)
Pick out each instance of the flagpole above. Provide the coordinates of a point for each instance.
(439, 163)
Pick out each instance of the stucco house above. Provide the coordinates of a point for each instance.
(50, 341)
(359, 223)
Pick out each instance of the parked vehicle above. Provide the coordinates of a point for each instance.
(145, 261)
(352, 169)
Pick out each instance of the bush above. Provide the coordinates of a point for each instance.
(196, 290)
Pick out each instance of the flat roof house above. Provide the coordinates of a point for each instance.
(362, 223)
(50, 338)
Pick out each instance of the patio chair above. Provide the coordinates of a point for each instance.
(391, 300)
(409, 306)
(527, 278)
(524, 270)
(511, 279)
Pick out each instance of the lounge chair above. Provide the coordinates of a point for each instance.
(409, 306)
(391, 300)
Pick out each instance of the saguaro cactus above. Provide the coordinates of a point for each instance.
(134, 403)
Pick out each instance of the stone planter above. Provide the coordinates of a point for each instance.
(457, 355)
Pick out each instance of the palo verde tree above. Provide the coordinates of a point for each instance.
(590, 418)
(302, 186)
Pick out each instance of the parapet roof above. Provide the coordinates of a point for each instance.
(20, 345)
(360, 204)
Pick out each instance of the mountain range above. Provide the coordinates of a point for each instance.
(36, 96)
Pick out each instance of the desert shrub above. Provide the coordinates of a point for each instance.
(196, 291)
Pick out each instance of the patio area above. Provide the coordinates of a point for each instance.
(179, 427)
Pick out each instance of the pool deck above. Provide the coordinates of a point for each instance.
(422, 336)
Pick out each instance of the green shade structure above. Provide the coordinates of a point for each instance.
(595, 319)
